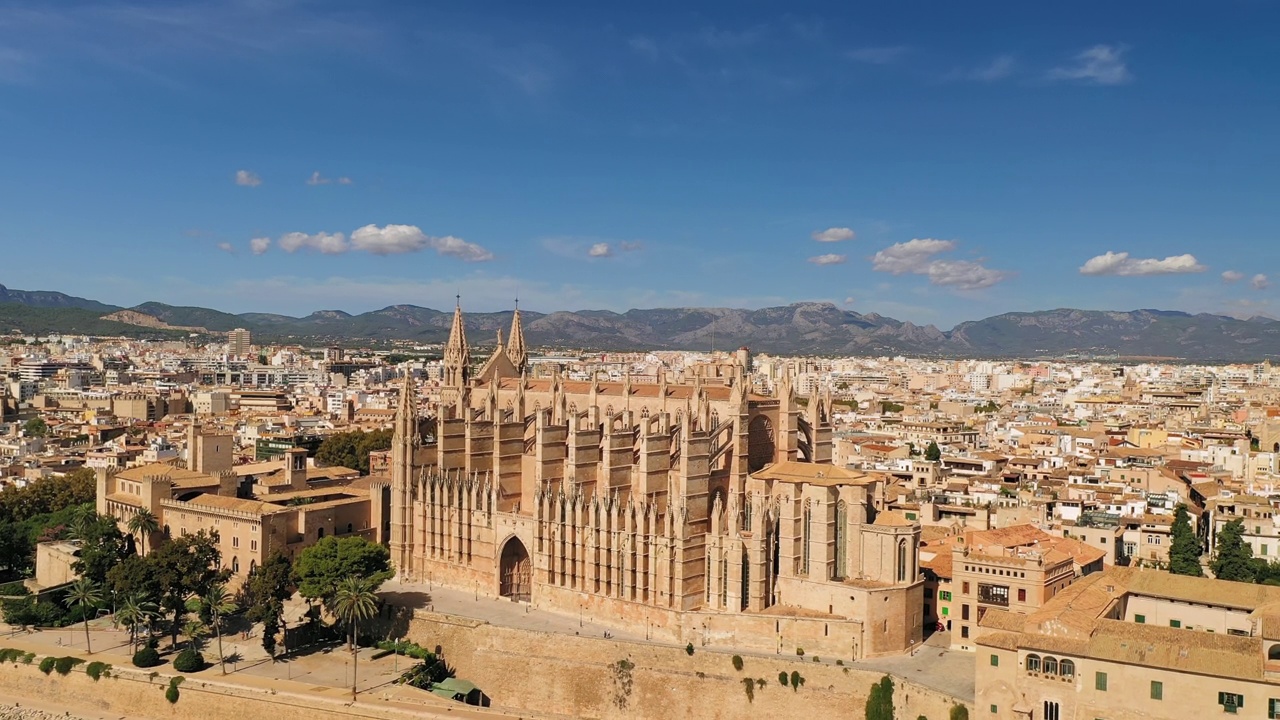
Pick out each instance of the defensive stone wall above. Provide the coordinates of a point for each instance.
(133, 693)
(585, 677)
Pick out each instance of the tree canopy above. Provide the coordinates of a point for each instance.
(321, 568)
(933, 453)
(351, 449)
(880, 700)
(1184, 552)
(1234, 558)
(36, 427)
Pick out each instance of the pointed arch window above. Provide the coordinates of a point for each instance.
(902, 561)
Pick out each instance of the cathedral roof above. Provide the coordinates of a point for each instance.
(792, 471)
(715, 393)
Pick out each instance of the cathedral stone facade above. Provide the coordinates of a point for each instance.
(698, 509)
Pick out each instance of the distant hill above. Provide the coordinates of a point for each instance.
(50, 299)
(799, 328)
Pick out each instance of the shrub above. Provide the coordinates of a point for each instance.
(749, 686)
(97, 670)
(817, 659)
(27, 658)
(64, 664)
(737, 663)
(782, 678)
(46, 665)
(839, 662)
(959, 712)
(188, 661)
(688, 649)
(9, 655)
(761, 682)
(796, 680)
(147, 657)
(800, 651)
(171, 694)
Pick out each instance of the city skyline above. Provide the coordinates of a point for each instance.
(290, 157)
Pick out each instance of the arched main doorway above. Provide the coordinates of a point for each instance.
(515, 572)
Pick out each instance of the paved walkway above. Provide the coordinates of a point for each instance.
(933, 665)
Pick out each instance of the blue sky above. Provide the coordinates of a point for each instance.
(933, 162)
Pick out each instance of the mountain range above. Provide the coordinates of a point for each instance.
(807, 328)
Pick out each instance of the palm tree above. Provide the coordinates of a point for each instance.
(143, 524)
(194, 630)
(217, 602)
(82, 522)
(136, 610)
(354, 603)
(86, 595)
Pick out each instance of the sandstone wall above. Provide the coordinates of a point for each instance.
(596, 678)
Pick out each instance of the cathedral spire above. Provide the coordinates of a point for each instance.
(515, 345)
(457, 354)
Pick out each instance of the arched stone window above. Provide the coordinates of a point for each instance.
(760, 443)
(1050, 666)
(1274, 652)
(1067, 669)
(902, 561)
(644, 412)
(1033, 663)
(715, 419)
(235, 564)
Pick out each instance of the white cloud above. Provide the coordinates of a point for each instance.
(909, 256)
(226, 247)
(629, 245)
(916, 257)
(834, 234)
(326, 243)
(318, 179)
(848, 301)
(600, 250)
(248, 178)
(396, 239)
(963, 274)
(259, 245)
(1119, 263)
(999, 68)
(1098, 65)
(1259, 282)
(879, 55)
(828, 259)
(1232, 276)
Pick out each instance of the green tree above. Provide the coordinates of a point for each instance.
(195, 632)
(216, 603)
(17, 549)
(880, 700)
(263, 595)
(143, 523)
(86, 595)
(959, 712)
(48, 495)
(136, 610)
(36, 427)
(102, 545)
(933, 453)
(1234, 558)
(1184, 552)
(353, 603)
(186, 566)
(321, 568)
(351, 449)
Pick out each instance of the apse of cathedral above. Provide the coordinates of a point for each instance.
(702, 508)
